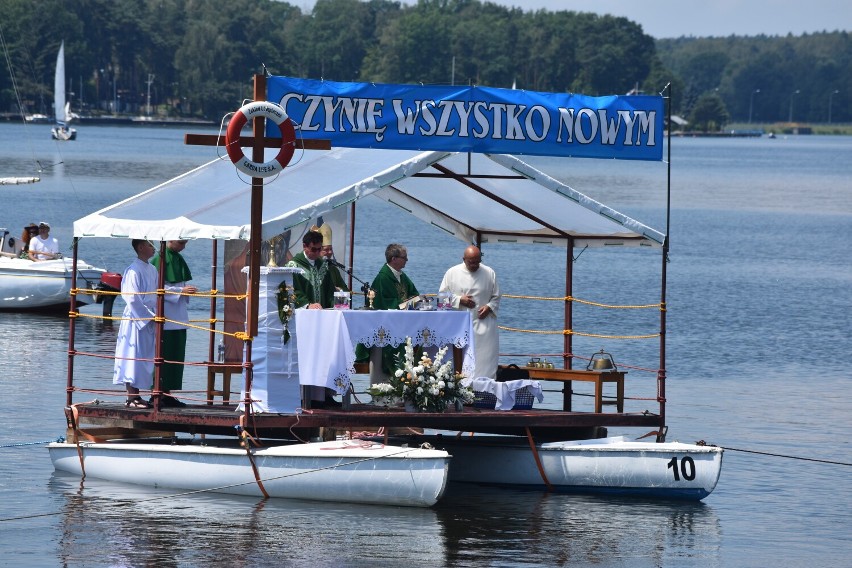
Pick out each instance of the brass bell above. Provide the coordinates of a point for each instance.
(601, 361)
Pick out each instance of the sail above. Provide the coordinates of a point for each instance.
(59, 87)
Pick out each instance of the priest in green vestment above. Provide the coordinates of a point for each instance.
(176, 312)
(392, 287)
(314, 289)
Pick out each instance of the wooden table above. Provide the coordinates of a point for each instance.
(597, 377)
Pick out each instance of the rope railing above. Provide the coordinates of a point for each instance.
(214, 293)
(660, 306)
(577, 333)
(242, 336)
(116, 393)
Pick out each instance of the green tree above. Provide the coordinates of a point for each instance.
(615, 55)
(709, 113)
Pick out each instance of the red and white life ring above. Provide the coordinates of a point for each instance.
(277, 115)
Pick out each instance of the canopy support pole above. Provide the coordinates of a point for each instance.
(661, 373)
(69, 389)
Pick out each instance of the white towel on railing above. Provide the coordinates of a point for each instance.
(504, 391)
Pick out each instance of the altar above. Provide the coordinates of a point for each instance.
(327, 339)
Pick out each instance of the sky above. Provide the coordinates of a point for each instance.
(703, 18)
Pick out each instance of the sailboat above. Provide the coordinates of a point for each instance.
(62, 109)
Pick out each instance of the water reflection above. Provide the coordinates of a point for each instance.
(140, 526)
(557, 529)
(472, 525)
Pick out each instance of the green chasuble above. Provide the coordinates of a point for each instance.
(390, 293)
(174, 340)
(177, 270)
(316, 286)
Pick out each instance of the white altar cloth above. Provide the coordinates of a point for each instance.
(504, 391)
(327, 338)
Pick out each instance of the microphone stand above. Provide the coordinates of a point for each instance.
(365, 287)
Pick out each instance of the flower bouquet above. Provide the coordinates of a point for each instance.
(285, 298)
(426, 385)
(385, 394)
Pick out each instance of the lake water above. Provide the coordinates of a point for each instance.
(759, 321)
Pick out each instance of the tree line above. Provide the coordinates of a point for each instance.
(197, 57)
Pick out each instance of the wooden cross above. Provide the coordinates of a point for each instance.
(257, 143)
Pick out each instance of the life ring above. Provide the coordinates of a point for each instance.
(272, 112)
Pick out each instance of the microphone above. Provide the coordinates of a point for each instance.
(365, 287)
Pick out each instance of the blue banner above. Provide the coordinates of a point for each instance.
(471, 119)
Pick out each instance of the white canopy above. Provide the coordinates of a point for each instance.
(498, 197)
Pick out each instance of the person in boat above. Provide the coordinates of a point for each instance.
(474, 287)
(43, 246)
(314, 290)
(29, 232)
(328, 254)
(393, 288)
(134, 346)
(176, 311)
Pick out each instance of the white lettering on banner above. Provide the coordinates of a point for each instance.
(479, 115)
(353, 115)
(545, 123)
(593, 126)
(476, 119)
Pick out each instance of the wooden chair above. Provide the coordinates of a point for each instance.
(214, 369)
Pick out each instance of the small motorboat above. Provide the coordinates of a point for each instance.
(29, 285)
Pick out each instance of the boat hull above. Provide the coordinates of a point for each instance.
(27, 285)
(609, 465)
(338, 471)
(63, 134)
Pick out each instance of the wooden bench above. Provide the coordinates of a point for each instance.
(598, 377)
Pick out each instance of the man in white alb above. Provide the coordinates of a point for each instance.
(474, 287)
(43, 246)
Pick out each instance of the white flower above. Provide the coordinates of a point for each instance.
(399, 373)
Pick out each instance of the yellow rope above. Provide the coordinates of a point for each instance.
(545, 332)
(588, 302)
(618, 307)
(239, 335)
(244, 337)
(210, 294)
(579, 333)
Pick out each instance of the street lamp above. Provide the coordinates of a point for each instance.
(830, 95)
(751, 103)
(793, 94)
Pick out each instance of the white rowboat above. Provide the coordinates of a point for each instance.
(338, 471)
